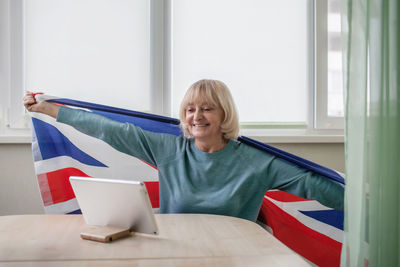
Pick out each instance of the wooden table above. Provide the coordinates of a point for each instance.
(184, 240)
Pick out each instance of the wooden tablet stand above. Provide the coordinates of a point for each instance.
(104, 234)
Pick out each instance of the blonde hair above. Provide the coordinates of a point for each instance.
(215, 93)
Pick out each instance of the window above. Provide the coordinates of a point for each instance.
(329, 82)
(335, 74)
(143, 55)
(78, 49)
(247, 51)
(69, 55)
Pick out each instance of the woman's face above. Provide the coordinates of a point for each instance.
(204, 121)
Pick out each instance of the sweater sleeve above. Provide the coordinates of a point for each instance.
(307, 184)
(125, 137)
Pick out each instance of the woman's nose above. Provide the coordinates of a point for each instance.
(198, 114)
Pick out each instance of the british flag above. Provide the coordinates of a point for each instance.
(59, 151)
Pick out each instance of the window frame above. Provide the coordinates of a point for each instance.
(161, 56)
(14, 42)
(161, 14)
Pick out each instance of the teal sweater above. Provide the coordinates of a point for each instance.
(230, 182)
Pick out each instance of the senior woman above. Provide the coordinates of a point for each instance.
(207, 170)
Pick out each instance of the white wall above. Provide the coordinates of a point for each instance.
(19, 191)
(330, 155)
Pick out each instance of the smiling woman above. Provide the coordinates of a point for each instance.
(208, 114)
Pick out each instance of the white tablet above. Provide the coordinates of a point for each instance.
(119, 203)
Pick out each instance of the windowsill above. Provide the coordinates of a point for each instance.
(10, 139)
(15, 136)
(269, 136)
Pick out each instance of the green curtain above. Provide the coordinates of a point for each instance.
(371, 42)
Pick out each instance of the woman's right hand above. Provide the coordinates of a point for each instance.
(44, 107)
(30, 102)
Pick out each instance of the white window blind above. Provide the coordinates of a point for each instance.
(259, 48)
(94, 50)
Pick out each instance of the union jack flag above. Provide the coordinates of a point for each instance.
(59, 151)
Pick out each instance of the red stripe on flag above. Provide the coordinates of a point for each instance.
(44, 189)
(311, 244)
(284, 196)
(59, 185)
(153, 191)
